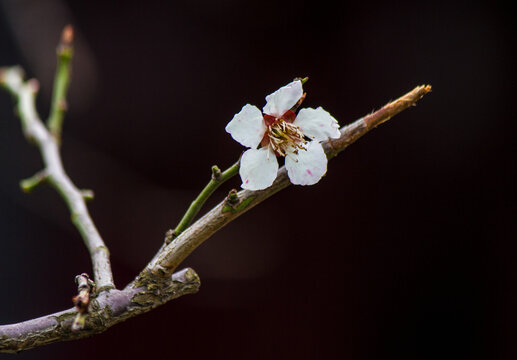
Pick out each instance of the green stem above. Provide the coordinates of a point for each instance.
(59, 106)
(218, 178)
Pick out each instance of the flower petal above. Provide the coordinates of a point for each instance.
(258, 169)
(283, 99)
(247, 127)
(308, 166)
(317, 124)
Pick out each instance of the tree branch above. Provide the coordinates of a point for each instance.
(156, 284)
(34, 130)
(169, 257)
(218, 178)
(107, 309)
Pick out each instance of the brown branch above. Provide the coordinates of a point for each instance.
(362, 126)
(157, 284)
(170, 256)
(107, 309)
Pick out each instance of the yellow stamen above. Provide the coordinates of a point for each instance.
(285, 137)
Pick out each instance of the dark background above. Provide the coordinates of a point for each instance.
(404, 250)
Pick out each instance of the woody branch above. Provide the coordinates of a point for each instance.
(54, 173)
(157, 283)
(171, 255)
(141, 296)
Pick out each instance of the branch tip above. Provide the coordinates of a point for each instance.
(65, 46)
(216, 173)
(67, 36)
(303, 80)
(396, 106)
(87, 194)
(29, 184)
(61, 83)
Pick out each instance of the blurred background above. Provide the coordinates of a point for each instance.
(404, 250)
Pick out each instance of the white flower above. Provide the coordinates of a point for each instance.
(280, 132)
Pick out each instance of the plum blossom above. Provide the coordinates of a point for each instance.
(278, 131)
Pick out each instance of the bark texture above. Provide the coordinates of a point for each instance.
(107, 309)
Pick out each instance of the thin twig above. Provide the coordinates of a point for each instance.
(218, 178)
(35, 131)
(61, 81)
(170, 256)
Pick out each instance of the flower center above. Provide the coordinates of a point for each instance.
(285, 137)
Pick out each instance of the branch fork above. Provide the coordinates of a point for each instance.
(98, 305)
